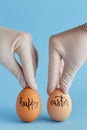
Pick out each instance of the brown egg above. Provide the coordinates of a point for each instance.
(28, 105)
(59, 105)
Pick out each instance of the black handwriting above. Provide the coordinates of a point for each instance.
(59, 101)
(30, 103)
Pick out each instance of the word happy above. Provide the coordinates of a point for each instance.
(30, 103)
(59, 101)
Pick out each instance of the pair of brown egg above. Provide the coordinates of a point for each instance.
(28, 105)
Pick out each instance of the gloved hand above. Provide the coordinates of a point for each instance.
(12, 41)
(67, 53)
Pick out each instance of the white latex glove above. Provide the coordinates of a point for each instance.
(12, 41)
(67, 53)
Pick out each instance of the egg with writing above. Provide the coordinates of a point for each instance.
(28, 105)
(59, 105)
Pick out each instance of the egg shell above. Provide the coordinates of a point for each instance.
(59, 105)
(28, 105)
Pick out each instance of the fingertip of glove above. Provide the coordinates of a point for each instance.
(33, 85)
(64, 90)
(49, 90)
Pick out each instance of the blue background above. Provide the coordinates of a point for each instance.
(42, 18)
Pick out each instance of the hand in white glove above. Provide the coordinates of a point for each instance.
(12, 41)
(67, 53)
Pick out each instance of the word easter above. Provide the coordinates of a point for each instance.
(59, 101)
(30, 103)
